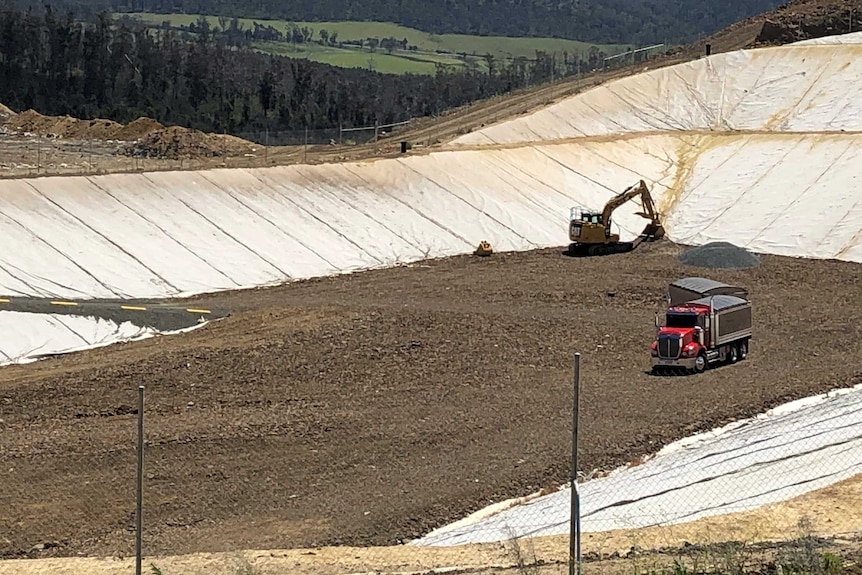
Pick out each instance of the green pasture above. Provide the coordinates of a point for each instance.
(421, 61)
(398, 62)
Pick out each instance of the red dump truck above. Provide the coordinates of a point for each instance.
(706, 322)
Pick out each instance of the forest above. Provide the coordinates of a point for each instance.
(118, 69)
(640, 22)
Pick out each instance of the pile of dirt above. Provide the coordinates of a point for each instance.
(719, 255)
(67, 127)
(145, 137)
(177, 142)
(137, 129)
(790, 22)
(806, 19)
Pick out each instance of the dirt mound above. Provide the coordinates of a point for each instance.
(67, 127)
(790, 22)
(138, 128)
(806, 19)
(719, 255)
(64, 127)
(146, 137)
(5, 112)
(177, 142)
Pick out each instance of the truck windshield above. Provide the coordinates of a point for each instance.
(681, 320)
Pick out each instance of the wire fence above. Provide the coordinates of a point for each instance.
(24, 154)
(173, 477)
(341, 135)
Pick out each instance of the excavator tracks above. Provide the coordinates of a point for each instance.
(591, 250)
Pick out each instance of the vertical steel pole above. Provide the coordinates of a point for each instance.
(575, 514)
(138, 514)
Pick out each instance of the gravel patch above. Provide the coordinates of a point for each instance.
(719, 255)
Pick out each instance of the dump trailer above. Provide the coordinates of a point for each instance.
(590, 230)
(698, 333)
(692, 288)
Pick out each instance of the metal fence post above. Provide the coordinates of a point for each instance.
(140, 491)
(575, 516)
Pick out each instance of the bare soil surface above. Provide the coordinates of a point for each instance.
(371, 408)
(809, 525)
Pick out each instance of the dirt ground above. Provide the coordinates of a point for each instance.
(368, 409)
(826, 520)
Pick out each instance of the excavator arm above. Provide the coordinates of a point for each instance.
(654, 228)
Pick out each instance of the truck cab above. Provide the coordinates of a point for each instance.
(679, 342)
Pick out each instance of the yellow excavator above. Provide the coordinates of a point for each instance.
(590, 231)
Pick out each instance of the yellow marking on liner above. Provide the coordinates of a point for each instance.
(134, 307)
(192, 310)
(69, 303)
(4, 300)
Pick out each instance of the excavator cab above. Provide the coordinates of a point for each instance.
(590, 230)
(587, 227)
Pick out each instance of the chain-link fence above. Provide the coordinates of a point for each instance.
(210, 485)
(342, 135)
(35, 154)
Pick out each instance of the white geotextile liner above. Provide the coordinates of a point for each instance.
(24, 336)
(794, 88)
(792, 450)
(178, 233)
(849, 38)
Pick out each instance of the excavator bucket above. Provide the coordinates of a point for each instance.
(654, 231)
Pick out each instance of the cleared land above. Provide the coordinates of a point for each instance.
(431, 49)
(371, 408)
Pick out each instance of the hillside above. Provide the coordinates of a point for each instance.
(122, 69)
(160, 148)
(599, 21)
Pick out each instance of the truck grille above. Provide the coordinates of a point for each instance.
(668, 347)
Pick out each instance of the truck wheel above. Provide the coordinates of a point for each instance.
(700, 363)
(743, 350)
(734, 354)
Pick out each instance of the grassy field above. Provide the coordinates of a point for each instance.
(421, 61)
(399, 62)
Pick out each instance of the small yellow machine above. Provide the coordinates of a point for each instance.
(590, 231)
(484, 249)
